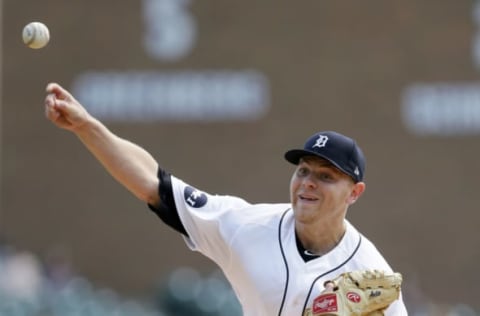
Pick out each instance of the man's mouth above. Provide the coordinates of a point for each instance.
(307, 198)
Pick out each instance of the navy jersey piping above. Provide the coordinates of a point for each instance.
(284, 261)
(330, 271)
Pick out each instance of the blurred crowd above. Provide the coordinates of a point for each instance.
(33, 287)
(30, 286)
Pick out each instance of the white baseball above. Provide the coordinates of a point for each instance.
(35, 35)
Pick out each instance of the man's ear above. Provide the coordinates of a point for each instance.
(357, 190)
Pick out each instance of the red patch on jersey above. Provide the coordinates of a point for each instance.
(353, 297)
(325, 303)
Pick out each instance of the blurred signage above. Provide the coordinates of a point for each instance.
(447, 108)
(442, 109)
(179, 95)
(170, 29)
(176, 96)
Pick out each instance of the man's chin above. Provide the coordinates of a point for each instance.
(306, 206)
(303, 211)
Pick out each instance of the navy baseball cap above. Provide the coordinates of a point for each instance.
(342, 151)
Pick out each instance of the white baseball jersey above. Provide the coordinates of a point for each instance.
(255, 246)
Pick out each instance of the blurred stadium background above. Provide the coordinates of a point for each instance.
(210, 85)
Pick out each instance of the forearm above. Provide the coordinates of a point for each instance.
(127, 162)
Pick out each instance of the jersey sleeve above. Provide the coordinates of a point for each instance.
(166, 209)
(210, 220)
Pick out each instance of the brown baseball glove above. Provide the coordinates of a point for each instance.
(357, 293)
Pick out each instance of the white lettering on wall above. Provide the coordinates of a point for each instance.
(178, 96)
(442, 109)
(170, 31)
(476, 34)
(445, 109)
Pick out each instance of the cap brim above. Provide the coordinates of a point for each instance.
(293, 156)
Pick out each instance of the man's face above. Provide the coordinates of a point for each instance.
(318, 190)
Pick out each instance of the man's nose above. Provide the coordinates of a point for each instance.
(309, 181)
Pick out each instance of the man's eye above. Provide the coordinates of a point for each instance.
(325, 176)
(302, 172)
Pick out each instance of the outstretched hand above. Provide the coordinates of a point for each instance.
(63, 109)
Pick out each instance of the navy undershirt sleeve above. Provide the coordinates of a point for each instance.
(167, 210)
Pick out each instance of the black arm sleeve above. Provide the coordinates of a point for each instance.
(167, 210)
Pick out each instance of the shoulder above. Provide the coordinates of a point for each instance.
(368, 255)
(206, 205)
(259, 214)
(273, 209)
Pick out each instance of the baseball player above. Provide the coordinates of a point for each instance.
(277, 257)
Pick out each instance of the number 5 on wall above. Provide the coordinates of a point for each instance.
(170, 29)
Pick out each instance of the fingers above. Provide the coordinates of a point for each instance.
(58, 91)
(62, 108)
(49, 100)
(57, 99)
(55, 107)
(329, 286)
(50, 112)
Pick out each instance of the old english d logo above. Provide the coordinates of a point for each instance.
(194, 198)
(321, 141)
(325, 303)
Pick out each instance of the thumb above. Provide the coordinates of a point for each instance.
(59, 92)
(329, 286)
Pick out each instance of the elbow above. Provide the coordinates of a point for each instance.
(152, 199)
(149, 193)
